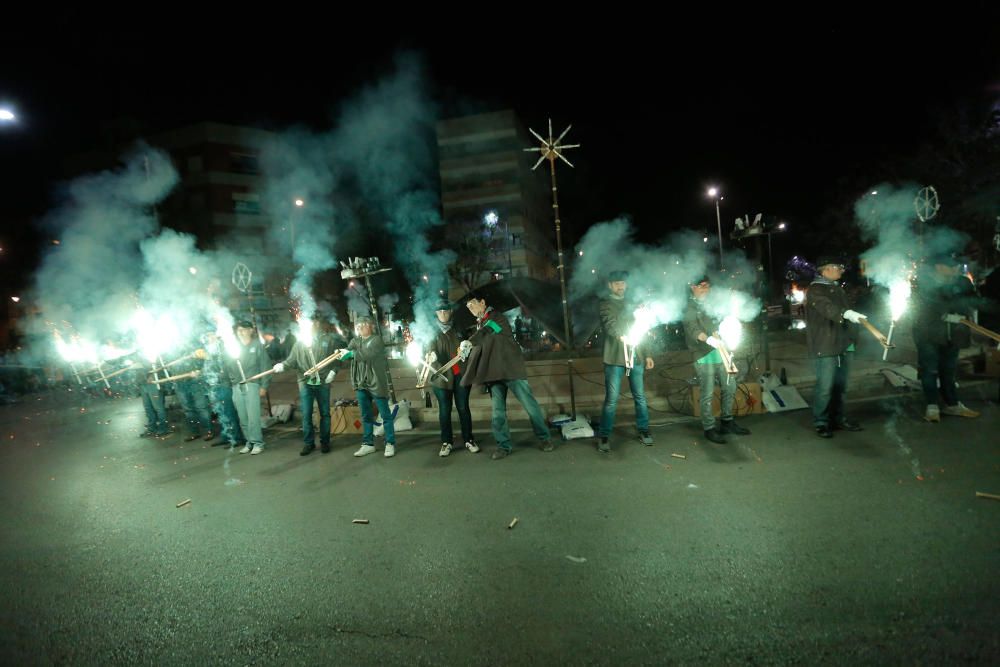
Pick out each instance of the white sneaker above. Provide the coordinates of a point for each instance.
(445, 449)
(390, 450)
(365, 450)
(959, 411)
(257, 449)
(932, 414)
(472, 447)
(246, 449)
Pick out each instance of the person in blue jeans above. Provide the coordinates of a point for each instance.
(494, 360)
(153, 403)
(312, 346)
(616, 321)
(831, 331)
(701, 332)
(447, 386)
(369, 369)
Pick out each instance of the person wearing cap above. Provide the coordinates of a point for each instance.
(493, 360)
(216, 375)
(448, 387)
(192, 394)
(701, 331)
(616, 320)
(943, 298)
(831, 331)
(366, 352)
(252, 360)
(313, 388)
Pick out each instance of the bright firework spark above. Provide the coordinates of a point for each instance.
(154, 335)
(899, 297)
(798, 296)
(413, 354)
(731, 331)
(224, 330)
(644, 319)
(76, 350)
(305, 331)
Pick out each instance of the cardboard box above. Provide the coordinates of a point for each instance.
(746, 402)
(993, 363)
(343, 419)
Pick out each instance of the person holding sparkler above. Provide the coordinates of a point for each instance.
(701, 331)
(153, 401)
(220, 391)
(831, 331)
(616, 322)
(366, 352)
(448, 387)
(311, 345)
(944, 298)
(251, 359)
(495, 361)
(192, 394)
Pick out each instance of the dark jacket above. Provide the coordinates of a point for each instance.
(303, 357)
(616, 320)
(933, 298)
(253, 359)
(495, 355)
(827, 332)
(368, 365)
(445, 346)
(697, 321)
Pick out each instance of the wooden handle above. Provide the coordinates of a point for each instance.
(982, 331)
(879, 336)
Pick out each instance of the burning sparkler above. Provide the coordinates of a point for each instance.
(643, 319)
(899, 298)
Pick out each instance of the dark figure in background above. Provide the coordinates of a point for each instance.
(943, 298)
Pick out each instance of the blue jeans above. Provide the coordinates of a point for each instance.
(707, 375)
(830, 389)
(938, 362)
(365, 399)
(156, 409)
(321, 394)
(229, 421)
(612, 390)
(460, 396)
(193, 397)
(246, 398)
(522, 392)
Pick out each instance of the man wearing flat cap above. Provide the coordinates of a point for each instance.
(831, 330)
(252, 360)
(616, 320)
(448, 387)
(366, 353)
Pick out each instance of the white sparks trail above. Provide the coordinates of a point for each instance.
(904, 449)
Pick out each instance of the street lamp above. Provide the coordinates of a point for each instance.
(299, 203)
(492, 219)
(713, 192)
(7, 116)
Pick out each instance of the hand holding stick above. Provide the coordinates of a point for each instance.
(879, 336)
(199, 354)
(258, 376)
(182, 376)
(325, 362)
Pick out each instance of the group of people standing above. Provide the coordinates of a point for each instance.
(491, 358)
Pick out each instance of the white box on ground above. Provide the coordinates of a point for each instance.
(782, 399)
(577, 428)
(400, 419)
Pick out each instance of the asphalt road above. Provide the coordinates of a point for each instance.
(777, 548)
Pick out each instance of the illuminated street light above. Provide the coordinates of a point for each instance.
(300, 203)
(15, 299)
(713, 192)
(7, 116)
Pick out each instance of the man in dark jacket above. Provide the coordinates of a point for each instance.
(252, 360)
(701, 331)
(311, 346)
(616, 320)
(943, 298)
(366, 353)
(494, 360)
(831, 330)
(448, 387)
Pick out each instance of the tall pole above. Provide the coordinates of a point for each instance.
(551, 149)
(718, 221)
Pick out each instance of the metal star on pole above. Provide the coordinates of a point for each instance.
(551, 148)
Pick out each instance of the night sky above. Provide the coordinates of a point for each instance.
(775, 107)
